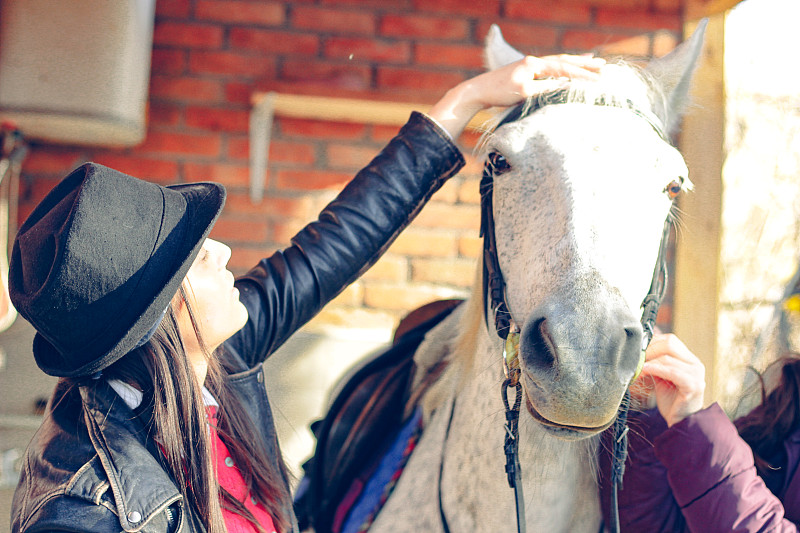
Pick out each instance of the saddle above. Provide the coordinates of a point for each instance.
(363, 419)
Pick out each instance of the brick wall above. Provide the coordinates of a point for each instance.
(210, 56)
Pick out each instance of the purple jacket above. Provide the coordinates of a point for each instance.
(699, 476)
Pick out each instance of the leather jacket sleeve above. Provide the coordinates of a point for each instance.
(284, 291)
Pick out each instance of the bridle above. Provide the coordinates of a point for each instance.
(507, 329)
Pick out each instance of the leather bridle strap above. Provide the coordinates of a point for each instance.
(494, 291)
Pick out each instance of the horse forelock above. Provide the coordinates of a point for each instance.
(621, 84)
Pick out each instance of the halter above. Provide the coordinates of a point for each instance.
(506, 329)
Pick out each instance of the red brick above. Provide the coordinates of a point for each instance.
(407, 78)
(275, 42)
(310, 180)
(482, 8)
(470, 245)
(238, 147)
(469, 192)
(428, 27)
(337, 21)
(638, 20)
(230, 63)
(629, 47)
(285, 229)
(548, 10)
(236, 230)
(156, 170)
(358, 49)
(185, 89)
(244, 258)
(663, 43)
(172, 8)
(215, 119)
(449, 55)
(180, 143)
(402, 296)
(230, 175)
(425, 243)
(617, 4)
(388, 268)
(343, 75)
(297, 127)
(383, 134)
(50, 160)
(168, 61)
(383, 4)
(239, 93)
(437, 215)
(34, 191)
(262, 13)
(285, 152)
(455, 271)
(583, 40)
(188, 35)
(294, 153)
(527, 37)
(160, 114)
(347, 156)
(271, 207)
(668, 6)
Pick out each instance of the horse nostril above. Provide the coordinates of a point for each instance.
(541, 351)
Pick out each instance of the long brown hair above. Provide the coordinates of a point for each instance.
(177, 422)
(767, 426)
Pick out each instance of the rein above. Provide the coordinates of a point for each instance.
(506, 329)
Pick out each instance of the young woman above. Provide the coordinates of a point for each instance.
(692, 469)
(161, 421)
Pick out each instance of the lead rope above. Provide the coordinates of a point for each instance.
(494, 288)
(511, 444)
(650, 306)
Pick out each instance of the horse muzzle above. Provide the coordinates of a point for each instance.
(576, 363)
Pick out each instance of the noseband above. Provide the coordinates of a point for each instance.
(507, 329)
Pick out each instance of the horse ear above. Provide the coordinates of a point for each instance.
(498, 52)
(674, 72)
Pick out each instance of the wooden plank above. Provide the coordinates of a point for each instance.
(697, 9)
(697, 260)
(356, 110)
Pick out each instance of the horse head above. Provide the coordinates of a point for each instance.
(582, 182)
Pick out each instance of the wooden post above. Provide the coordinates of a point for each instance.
(697, 260)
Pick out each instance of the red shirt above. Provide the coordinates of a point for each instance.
(230, 478)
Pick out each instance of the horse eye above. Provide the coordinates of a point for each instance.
(674, 188)
(499, 163)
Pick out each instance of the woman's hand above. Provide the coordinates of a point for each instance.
(675, 376)
(509, 85)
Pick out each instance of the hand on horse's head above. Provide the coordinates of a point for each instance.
(509, 85)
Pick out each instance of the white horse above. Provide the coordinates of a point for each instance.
(581, 192)
(583, 185)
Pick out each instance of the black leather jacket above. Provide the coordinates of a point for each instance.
(88, 468)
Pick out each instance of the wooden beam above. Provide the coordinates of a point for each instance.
(697, 260)
(361, 111)
(697, 9)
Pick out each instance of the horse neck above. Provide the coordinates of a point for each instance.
(558, 476)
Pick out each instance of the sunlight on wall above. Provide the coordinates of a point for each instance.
(761, 189)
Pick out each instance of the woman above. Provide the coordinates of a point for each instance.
(160, 421)
(692, 469)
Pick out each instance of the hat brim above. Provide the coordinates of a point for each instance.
(204, 203)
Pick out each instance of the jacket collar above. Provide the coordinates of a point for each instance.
(140, 485)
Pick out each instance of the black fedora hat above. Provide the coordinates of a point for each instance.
(97, 262)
